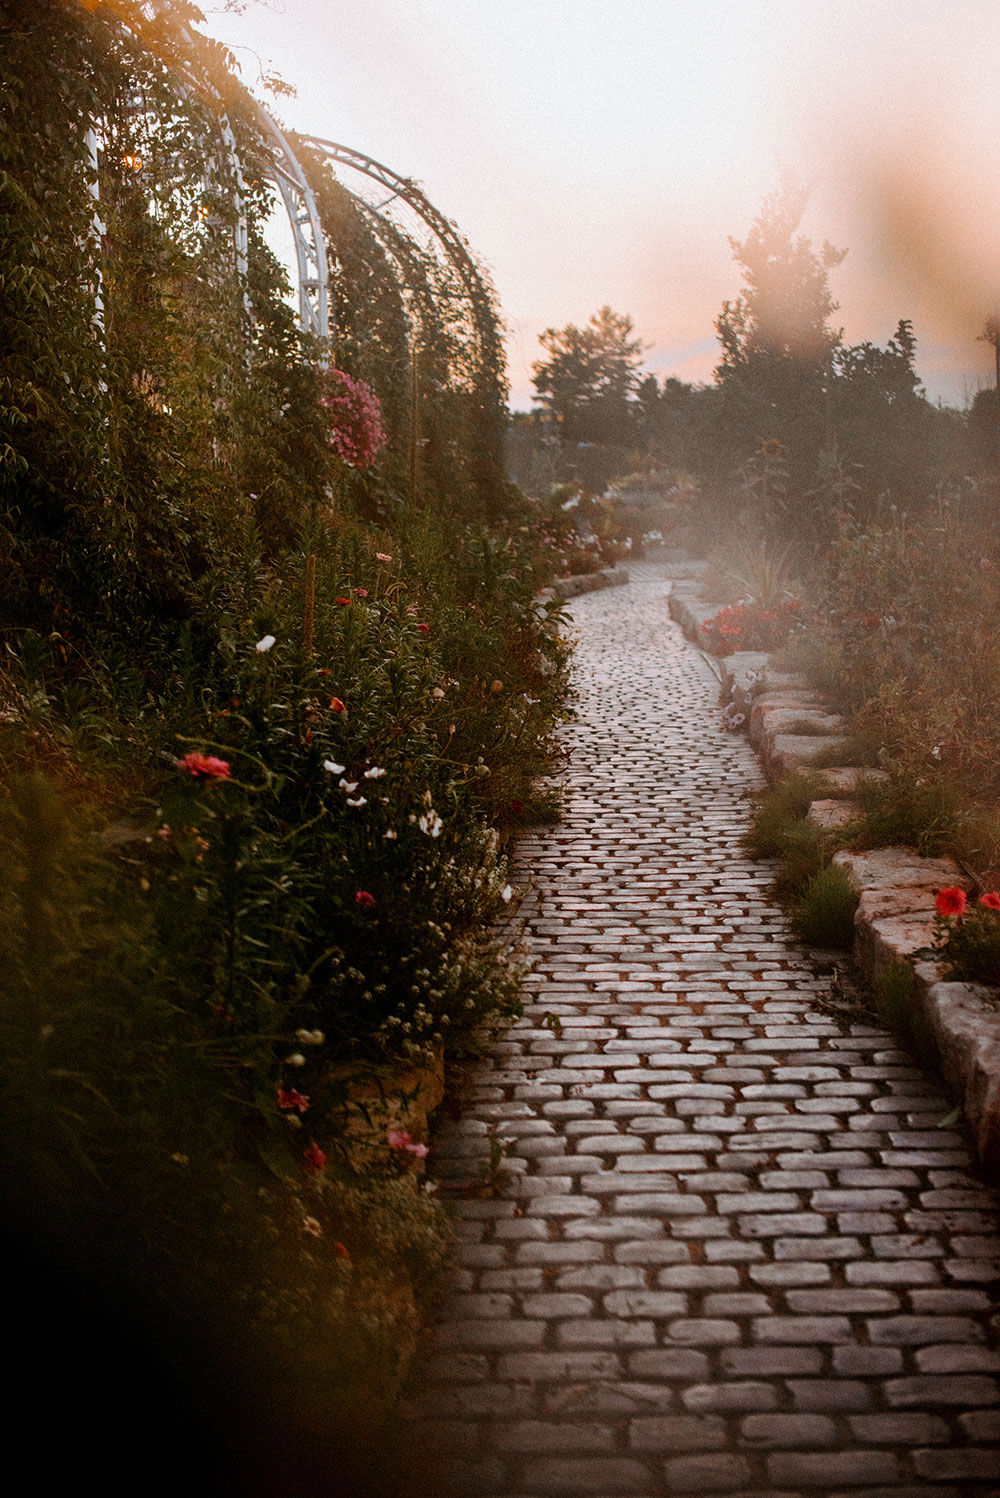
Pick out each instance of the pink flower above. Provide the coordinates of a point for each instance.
(356, 432)
(399, 1139)
(360, 592)
(991, 900)
(381, 556)
(204, 766)
(950, 902)
(364, 899)
(288, 1098)
(313, 1159)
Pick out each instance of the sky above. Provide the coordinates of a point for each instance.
(596, 153)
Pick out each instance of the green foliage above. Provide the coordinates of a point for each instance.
(968, 947)
(894, 991)
(927, 813)
(194, 943)
(778, 813)
(823, 914)
(590, 377)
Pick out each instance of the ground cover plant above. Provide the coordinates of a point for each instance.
(265, 731)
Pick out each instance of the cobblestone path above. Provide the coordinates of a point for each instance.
(736, 1252)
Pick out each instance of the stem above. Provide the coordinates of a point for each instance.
(309, 614)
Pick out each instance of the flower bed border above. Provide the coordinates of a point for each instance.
(584, 582)
(955, 1025)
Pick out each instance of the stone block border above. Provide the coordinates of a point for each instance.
(957, 1025)
(584, 582)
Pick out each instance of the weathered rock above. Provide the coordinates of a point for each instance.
(846, 780)
(792, 716)
(828, 814)
(589, 582)
(964, 1019)
(897, 868)
(788, 752)
(690, 611)
(890, 938)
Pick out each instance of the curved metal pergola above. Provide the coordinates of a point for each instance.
(456, 250)
(412, 231)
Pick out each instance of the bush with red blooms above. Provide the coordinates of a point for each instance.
(749, 626)
(967, 936)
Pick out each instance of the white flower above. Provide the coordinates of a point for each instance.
(375, 773)
(357, 800)
(262, 646)
(348, 785)
(570, 504)
(431, 823)
(391, 835)
(310, 1037)
(295, 1059)
(438, 692)
(332, 768)
(506, 894)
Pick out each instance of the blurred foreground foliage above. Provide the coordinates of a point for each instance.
(265, 732)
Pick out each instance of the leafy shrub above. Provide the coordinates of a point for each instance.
(967, 938)
(751, 626)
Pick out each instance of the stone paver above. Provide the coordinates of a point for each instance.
(735, 1250)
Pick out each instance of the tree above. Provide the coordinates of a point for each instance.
(780, 318)
(778, 347)
(590, 378)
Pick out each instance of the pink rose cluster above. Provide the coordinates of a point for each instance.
(356, 430)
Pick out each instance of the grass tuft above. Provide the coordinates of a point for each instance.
(824, 915)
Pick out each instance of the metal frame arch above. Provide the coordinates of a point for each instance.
(477, 289)
(285, 170)
(307, 230)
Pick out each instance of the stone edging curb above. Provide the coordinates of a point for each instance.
(956, 1025)
(585, 582)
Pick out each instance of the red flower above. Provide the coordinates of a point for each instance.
(341, 1251)
(337, 706)
(991, 901)
(364, 899)
(323, 671)
(313, 1159)
(517, 807)
(288, 1098)
(204, 766)
(950, 902)
(345, 603)
(424, 629)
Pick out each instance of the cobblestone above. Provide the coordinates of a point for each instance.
(733, 1252)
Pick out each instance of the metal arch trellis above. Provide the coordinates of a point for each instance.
(286, 171)
(300, 205)
(307, 230)
(477, 290)
(277, 161)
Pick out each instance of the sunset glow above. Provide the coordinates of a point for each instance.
(599, 156)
